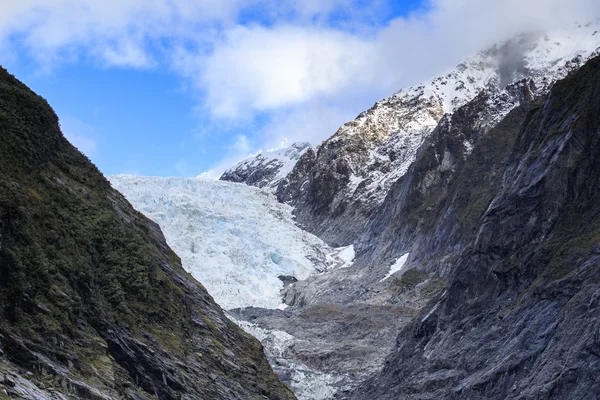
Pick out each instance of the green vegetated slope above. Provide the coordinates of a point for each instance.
(520, 316)
(93, 303)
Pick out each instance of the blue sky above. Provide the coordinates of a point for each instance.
(179, 87)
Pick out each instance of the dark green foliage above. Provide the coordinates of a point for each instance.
(60, 225)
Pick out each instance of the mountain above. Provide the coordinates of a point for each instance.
(335, 187)
(515, 234)
(93, 303)
(244, 246)
(470, 203)
(239, 241)
(267, 169)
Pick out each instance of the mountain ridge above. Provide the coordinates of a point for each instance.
(93, 303)
(268, 168)
(352, 171)
(410, 239)
(518, 315)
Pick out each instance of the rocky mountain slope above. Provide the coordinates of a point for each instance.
(461, 198)
(335, 187)
(93, 303)
(517, 230)
(244, 246)
(268, 168)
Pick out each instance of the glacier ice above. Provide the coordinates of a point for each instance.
(235, 239)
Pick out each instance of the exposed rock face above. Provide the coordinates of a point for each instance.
(419, 178)
(267, 169)
(520, 315)
(93, 303)
(353, 171)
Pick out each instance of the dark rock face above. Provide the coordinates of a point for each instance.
(344, 341)
(259, 176)
(353, 172)
(93, 303)
(392, 185)
(517, 232)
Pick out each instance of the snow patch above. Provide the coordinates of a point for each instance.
(347, 255)
(395, 127)
(430, 313)
(283, 159)
(397, 266)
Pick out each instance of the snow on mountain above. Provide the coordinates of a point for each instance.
(335, 189)
(381, 144)
(394, 128)
(396, 266)
(267, 168)
(235, 239)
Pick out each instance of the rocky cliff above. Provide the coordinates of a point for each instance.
(516, 230)
(267, 169)
(470, 204)
(93, 303)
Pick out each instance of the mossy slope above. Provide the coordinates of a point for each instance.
(93, 303)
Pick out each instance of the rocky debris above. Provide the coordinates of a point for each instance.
(332, 346)
(415, 175)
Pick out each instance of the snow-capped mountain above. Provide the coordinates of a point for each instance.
(381, 142)
(352, 172)
(416, 185)
(268, 168)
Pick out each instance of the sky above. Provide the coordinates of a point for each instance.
(189, 87)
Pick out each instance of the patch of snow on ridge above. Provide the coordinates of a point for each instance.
(347, 255)
(397, 266)
(288, 156)
(235, 239)
(381, 144)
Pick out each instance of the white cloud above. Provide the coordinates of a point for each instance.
(310, 123)
(120, 32)
(256, 69)
(240, 144)
(309, 79)
(259, 69)
(239, 149)
(290, 68)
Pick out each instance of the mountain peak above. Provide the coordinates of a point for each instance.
(267, 169)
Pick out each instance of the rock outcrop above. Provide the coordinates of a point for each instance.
(352, 172)
(461, 198)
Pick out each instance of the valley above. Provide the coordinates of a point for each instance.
(445, 244)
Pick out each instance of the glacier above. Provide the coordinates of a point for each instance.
(241, 244)
(235, 239)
